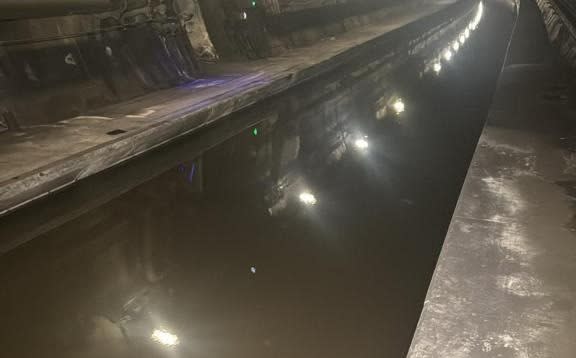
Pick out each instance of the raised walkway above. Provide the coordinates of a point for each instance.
(39, 160)
(505, 283)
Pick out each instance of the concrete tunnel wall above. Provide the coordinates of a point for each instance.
(15, 9)
(65, 60)
(57, 67)
(273, 26)
(560, 21)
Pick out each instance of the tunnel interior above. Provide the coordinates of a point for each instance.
(300, 215)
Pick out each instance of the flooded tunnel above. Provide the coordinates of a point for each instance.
(221, 178)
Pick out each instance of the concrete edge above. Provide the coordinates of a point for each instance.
(413, 351)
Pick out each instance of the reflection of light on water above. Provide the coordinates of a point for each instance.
(399, 106)
(437, 67)
(361, 144)
(308, 199)
(165, 338)
(447, 55)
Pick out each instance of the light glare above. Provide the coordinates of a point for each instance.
(361, 144)
(437, 67)
(308, 199)
(165, 338)
(399, 106)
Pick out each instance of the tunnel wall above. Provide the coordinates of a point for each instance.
(560, 20)
(64, 61)
(16, 9)
(262, 28)
(53, 68)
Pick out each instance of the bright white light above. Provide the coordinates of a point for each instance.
(361, 144)
(447, 55)
(308, 199)
(244, 15)
(462, 39)
(437, 67)
(253, 269)
(399, 106)
(479, 13)
(456, 45)
(165, 338)
(466, 33)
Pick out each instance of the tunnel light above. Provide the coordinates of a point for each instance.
(474, 24)
(437, 67)
(165, 338)
(456, 46)
(466, 33)
(480, 13)
(462, 39)
(447, 55)
(361, 144)
(399, 106)
(308, 199)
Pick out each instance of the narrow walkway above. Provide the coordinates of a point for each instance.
(46, 158)
(505, 283)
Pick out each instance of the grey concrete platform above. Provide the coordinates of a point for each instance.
(43, 159)
(505, 283)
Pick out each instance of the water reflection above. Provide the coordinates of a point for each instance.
(165, 338)
(362, 144)
(311, 233)
(399, 106)
(308, 198)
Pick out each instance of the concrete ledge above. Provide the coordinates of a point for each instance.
(44, 159)
(504, 285)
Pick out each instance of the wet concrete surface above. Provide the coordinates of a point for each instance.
(307, 226)
(504, 285)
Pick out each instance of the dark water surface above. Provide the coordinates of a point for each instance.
(307, 226)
